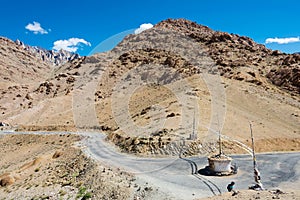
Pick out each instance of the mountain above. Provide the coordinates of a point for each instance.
(231, 51)
(20, 66)
(160, 86)
(50, 56)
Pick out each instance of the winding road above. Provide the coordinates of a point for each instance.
(178, 177)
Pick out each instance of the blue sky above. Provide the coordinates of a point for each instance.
(91, 22)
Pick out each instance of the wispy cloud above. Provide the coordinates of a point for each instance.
(70, 45)
(282, 40)
(36, 28)
(142, 28)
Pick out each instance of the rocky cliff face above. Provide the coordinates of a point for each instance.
(55, 58)
(20, 66)
(239, 57)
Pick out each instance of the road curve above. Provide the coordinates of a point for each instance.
(178, 177)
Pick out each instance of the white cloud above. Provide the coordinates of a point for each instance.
(70, 45)
(283, 40)
(36, 28)
(142, 28)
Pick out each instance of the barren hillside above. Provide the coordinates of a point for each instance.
(51, 167)
(18, 66)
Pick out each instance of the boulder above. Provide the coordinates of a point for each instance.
(6, 180)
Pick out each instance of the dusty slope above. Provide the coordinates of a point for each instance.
(20, 73)
(18, 66)
(25, 85)
(250, 95)
(275, 119)
(50, 167)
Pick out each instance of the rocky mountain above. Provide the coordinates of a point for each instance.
(50, 56)
(232, 52)
(159, 86)
(19, 66)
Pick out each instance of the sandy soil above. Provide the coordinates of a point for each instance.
(51, 167)
(274, 116)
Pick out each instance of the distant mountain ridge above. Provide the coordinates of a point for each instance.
(56, 58)
(19, 66)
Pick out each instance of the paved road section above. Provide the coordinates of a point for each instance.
(178, 178)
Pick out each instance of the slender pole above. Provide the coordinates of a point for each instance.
(253, 151)
(220, 140)
(194, 135)
(256, 172)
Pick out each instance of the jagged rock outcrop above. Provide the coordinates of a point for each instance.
(238, 57)
(20, 66)
(50, 56)
(286, 77)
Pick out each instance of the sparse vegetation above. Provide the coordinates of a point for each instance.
(83, 194)
(62, 192)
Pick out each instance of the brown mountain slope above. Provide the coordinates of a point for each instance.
(20, 72)
(155, 88)
(231, 51)
(27, 92)
(250, 95)
(19, 66)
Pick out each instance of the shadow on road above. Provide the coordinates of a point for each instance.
(215, 190)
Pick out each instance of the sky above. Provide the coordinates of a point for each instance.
(89, 26)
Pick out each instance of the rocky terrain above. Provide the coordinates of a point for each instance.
(260, 85)
(19, 66)
(51, 167)
(233, 53)
(177, 72)
(24, 82)
(55, 58)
